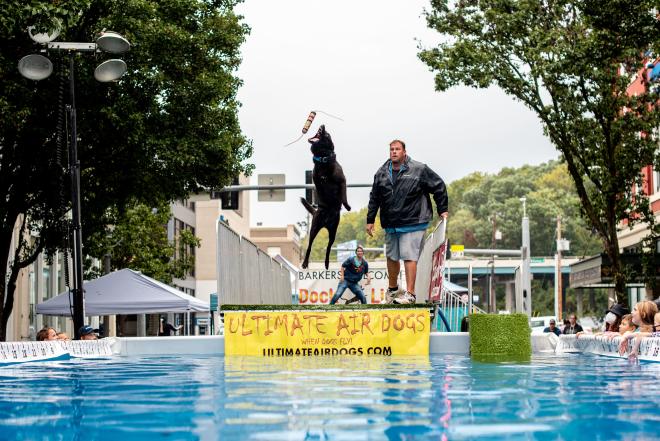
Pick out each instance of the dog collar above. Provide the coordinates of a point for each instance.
(324, 159)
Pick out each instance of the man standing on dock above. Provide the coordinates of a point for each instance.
(401, 191)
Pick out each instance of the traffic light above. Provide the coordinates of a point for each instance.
(310, 196)
(229, 199)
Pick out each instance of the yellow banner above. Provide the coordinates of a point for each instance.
(314, 333)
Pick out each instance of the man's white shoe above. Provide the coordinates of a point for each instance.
(390, 295)
(405, 298)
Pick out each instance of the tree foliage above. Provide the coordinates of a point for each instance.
(139, 240)
(476, 198)
(570, 62)
(169, 127)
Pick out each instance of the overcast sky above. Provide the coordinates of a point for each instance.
(358, 60)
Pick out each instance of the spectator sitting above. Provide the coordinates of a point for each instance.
(643, 317)
(553, 328)
(87, 333)
(62, 336)
(614, 317)
(47, 334)
(573, 327)
(655, 332)
(627, 324)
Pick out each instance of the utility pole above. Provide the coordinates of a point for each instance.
(558, 277)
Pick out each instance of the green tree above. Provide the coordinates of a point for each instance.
(169, 127)
(138, 239)
(549, 192)
(474, 199)
(571, 63)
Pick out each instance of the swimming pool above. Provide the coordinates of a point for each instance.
(558, 397)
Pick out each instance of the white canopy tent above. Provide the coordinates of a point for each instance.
(125, 292)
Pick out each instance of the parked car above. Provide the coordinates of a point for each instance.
(538, 324)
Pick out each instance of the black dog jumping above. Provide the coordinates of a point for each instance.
(330, 184)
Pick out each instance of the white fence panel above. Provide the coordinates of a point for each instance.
(250, 285)
(229, 264)
(246, 274)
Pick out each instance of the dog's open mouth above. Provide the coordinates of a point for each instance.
(319, 133)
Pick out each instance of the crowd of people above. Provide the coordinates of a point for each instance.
(87, 332)
(570, 326)
(645, 322)
(642, 322)
(50, 334)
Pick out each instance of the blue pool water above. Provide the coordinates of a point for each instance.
(571, 397)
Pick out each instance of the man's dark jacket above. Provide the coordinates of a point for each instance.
(406, 201)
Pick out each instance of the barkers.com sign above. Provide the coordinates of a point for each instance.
(319, 333)
(316, 287)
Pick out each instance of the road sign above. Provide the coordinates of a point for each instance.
(271, 195)
(457, 250)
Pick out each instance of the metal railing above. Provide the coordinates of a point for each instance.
(452, 305)
(246, 274)
(454, 308)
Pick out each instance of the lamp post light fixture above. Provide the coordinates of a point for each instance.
(38, 67)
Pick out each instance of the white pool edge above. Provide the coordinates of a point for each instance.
(440, 343)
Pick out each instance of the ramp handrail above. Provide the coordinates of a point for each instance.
(455, 308)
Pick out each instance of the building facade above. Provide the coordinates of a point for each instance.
(646, 81)
(198, 214)
(284, 241)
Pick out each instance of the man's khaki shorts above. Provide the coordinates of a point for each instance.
(404, 246)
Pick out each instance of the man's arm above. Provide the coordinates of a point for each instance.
(372, 209)
(436, 186)
(341, 274)
(367, 271)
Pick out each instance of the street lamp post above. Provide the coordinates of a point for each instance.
(38, 67)
(525, 252)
